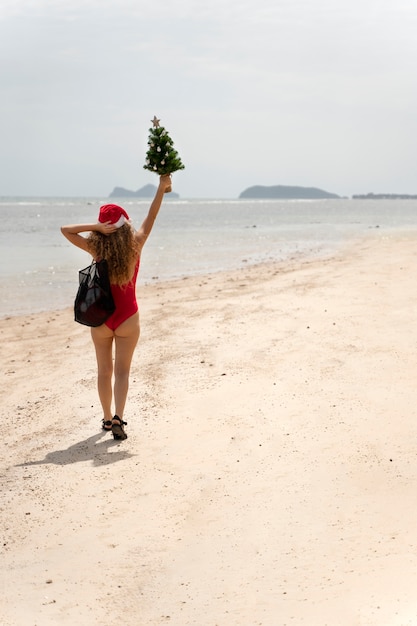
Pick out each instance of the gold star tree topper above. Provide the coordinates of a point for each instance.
(155, 122)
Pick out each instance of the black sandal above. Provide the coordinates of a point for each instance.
(106, 424)
(117, 428)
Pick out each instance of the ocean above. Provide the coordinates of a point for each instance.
(39, 267)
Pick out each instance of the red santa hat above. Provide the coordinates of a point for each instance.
(114, 214)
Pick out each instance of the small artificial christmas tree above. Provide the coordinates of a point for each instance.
(161, 156)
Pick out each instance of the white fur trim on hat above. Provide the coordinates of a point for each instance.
(122, 220)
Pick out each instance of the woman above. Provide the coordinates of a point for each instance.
(113, 238)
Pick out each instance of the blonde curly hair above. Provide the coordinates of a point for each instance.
(121, 251)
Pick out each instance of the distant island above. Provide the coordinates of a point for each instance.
(148, 191)
(384, 196)
(286, 193)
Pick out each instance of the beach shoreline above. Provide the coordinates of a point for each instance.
(269, 473)
(39, 269)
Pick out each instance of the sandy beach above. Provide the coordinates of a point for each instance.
(269, 477)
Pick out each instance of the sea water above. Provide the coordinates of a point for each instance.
(39, 267)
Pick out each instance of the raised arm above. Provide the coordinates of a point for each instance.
(72, 233)
(144, 231)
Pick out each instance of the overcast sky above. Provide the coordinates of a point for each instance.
(297, 92)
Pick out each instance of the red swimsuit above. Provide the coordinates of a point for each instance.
(125, 300)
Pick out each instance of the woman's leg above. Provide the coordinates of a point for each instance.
(103, 341)
(126, 338)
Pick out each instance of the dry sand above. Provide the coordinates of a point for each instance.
(270, 473)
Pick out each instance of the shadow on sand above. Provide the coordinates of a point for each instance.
(91, 449)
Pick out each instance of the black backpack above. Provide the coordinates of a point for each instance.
(94, 301)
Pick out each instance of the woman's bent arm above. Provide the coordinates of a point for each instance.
(72, 233)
